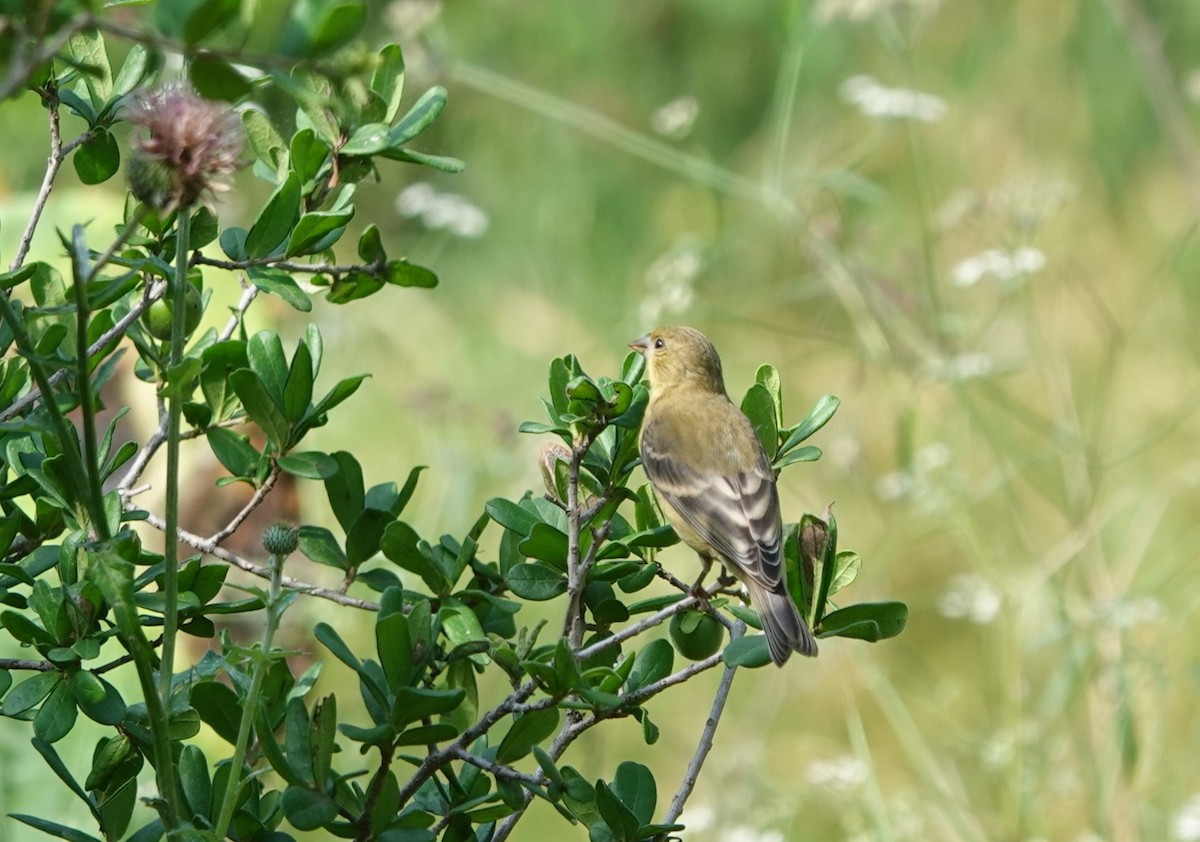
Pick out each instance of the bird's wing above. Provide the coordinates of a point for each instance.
(735, 514)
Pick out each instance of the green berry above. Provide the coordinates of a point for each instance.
(696, 634)
(157, 318)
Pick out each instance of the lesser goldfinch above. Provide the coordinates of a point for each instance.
(713, 479)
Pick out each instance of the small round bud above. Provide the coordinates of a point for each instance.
(281, 539)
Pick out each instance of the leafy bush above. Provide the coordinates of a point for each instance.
(82, 590)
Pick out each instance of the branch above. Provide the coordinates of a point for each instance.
(253, 503)
(692, 773)
(572, 730)
(204, 545)
(249, 293)
(288, 265)
(438, 759)
(52, 166)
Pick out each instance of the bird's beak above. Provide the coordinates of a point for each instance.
(640, 345)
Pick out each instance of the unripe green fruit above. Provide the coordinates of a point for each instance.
(696, 634)
(157, 318)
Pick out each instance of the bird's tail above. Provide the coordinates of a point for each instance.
(785, 629)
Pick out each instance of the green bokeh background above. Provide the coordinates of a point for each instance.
(1016, 459)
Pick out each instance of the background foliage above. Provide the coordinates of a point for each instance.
(1016, 453)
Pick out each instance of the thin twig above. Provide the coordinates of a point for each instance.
(249, 293)
(254, 502)
(287, 265)
(43, 195)
(573, 730)
(497, 769)
(204, 545)
(438, 759)
(692, 773)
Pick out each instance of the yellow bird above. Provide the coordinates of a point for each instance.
(713, 480)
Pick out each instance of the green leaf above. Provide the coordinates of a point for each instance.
(427, 735)
(619, 818)
(87, 49)
(217, 363)
(529, 729)
(318, 544)
(30, 692)
(370, 245)
(405, 274)
(808, 453)
(367, 140)
(309, 154)
(820, 414)
(760, 409)
(545, 543)
(414, 704)
(215, 78)
(194, 780)
(276, 220)
(298, 388)
(233, 450)
(108, 709)
(306, 809)
(511, 516)
(345, 489)
(140, 64)
(365, 534)
(267, 359)
(871, 621)
(339, 393)
(279, 283)
(437, 162)
(394, 645)
(634, 785)
(219, 708)
(845, 570)
(56, 717)
(352, 286)
(98, 160)
(401, 545)
(260, 407)
(652, 663)
(310, 464)
(318, 231)
(536, 581)
(750, 651)
(316, 27)
(193, 20)
(388, 80)
(264, 140)
(419, 117)
(55, 829)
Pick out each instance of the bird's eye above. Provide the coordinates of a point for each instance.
(659, 344)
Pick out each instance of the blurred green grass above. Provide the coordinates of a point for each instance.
(1015, 459)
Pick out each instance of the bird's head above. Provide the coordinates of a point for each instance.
(678, 356)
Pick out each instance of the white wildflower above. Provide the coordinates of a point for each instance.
(857, 11)
(970, 597)
(752, 834)
(876, 100)
(670, 281)
(1005, 266)
(1185, 827)
(676, 119)
(841, 774)
(442, 211)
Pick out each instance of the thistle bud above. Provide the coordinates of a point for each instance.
(191, 147)
(281, 539)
